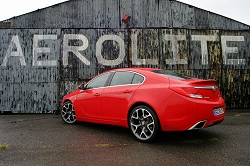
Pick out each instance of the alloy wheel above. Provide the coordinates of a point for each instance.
(143, 123)
(68, 113)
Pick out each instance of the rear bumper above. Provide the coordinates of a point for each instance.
(204, 124)
(179, 113)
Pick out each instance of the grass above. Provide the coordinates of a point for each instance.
(3, 146)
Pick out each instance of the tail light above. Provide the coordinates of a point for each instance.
(188, 91)
(199, 92)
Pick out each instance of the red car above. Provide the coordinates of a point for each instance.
(146, 100)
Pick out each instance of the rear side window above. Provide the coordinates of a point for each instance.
(126, 77)
(173, 75)
(137, 79)
(122, 78)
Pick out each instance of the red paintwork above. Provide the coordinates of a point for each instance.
(175, 111)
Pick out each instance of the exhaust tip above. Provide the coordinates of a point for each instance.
(198, 125)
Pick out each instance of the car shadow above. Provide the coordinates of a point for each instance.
(203, 137)
(107, 130)
(194, 138)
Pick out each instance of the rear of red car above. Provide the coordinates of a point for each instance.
(194, 104)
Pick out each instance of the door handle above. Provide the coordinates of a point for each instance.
(127, 91)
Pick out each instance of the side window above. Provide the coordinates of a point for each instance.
(122, 78)
(137, 79)
(98, 82)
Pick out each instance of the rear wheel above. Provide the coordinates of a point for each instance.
(68, 113)
(143, 123)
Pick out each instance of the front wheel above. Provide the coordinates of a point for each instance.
(68, 113)
(143, 123)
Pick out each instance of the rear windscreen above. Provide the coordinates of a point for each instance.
(171, 74)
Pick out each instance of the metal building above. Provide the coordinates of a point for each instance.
(47, 53)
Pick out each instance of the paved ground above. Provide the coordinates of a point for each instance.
(43, 139)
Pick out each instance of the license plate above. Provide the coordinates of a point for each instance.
(218, 111)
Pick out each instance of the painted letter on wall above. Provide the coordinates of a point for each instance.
(14, 50)
(204, 51)
(99, 47)
(39, 50)
(176, 55)
(231, 50)
(74, 49)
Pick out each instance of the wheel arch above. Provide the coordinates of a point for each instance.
(66, 100)
(67, 112)
(144, 104)
(69, 99)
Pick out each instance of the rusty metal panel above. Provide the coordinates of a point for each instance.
(41, 18)
(175, 50)
(111, 49)
(220, 55)
(125, 8)
(34, 98)
(236, 25)
(86, 37)
(67, 86)
(138, 14)
(29, 70)
(85, 14)
(76, 53)
(76, 14)
(206, 49)
(52, 16)
(6, 96)
(145, 47)
(33, 20)
(236, 65)
(87, 52)
(149, 13)
(109, 13)
(201, 18)
(182, 15)
(235, 49)
(165, 14)
(207, 20)
(156, 13)
(106, 14)
(245, 89)
(40, 66)
(70, 14)
(237, 88)
(5, 24)
(219, 22)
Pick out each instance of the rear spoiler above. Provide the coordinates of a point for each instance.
(202, 82)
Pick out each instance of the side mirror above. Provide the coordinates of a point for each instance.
(81, 86)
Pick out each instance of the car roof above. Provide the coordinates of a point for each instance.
(135, 69)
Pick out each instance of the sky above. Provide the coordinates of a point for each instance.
(234, 9)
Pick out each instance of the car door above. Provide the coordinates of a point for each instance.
(116, 96)
(90, 97)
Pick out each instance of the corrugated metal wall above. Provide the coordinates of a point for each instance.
(88, 52)
(29, 70)
(109, 13)
(45, 54)
(218, 54)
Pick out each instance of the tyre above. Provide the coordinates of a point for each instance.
(68, 113)
(143, 123)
